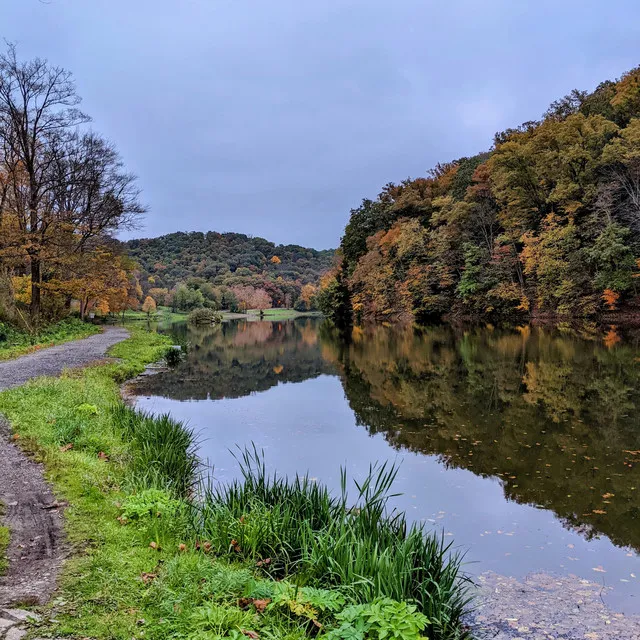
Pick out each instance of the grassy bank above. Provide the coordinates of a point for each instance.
(266, 557)
(14, 343)
(271, 314)
(163, 314)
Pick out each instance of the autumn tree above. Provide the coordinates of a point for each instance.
(307, 296)
(548, 221)
(149, 306)
(65, 189)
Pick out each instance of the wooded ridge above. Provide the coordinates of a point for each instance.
(546, 222)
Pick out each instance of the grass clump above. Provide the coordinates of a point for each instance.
(297, 527)
(163, 450)
(14, 343)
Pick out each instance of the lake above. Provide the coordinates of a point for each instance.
(520, 445)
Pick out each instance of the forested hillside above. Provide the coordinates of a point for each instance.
(546, 222)
(229, 270)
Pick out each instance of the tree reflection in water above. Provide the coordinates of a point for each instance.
(553, 413)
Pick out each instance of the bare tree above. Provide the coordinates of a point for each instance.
(65, 188)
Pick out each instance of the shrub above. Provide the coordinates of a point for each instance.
(174, 356)
(204, 316)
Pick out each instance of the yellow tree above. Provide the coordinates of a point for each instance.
(149, 306)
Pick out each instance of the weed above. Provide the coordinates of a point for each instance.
(4, 545)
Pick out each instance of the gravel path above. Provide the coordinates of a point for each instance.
(31, 512)
(52, 361)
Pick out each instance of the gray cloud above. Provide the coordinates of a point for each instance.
(275, 118)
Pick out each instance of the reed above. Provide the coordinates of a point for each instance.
(297, 527)
(162, 449)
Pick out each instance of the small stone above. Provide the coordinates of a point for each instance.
(21, 614)
(15, 633)
(5, 624)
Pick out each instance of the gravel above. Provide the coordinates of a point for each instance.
(54, 360)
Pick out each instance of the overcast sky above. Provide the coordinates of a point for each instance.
(274, 118)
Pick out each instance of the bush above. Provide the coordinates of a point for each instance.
(204, 316)
(174, 356)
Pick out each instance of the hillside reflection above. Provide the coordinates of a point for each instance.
(554, 414)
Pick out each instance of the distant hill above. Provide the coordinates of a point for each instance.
(229, 260)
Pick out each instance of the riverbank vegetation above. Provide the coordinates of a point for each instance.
(255, 559)
(546, 222)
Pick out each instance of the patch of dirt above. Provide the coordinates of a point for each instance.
(34, 518)
(547, 607)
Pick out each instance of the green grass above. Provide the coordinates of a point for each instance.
(281, 314)
(163, 314)
(14, 343)
(278, 558)
(359, 546)
(4, 545)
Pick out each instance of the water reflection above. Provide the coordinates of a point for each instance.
(547, 418)
(554, 416)
(238, 358)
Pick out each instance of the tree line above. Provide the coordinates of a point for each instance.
(228, 271)
(546, 222)
(64, 192)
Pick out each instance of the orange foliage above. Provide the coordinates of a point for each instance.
(610, 298)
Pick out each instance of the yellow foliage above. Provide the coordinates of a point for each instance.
(22, 289)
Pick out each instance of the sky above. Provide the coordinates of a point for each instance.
(276, 118)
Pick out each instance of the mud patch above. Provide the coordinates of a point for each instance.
(34, 518)
(547, 607)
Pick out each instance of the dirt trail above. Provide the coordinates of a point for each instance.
(32, 514)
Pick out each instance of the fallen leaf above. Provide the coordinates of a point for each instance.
(261, 605)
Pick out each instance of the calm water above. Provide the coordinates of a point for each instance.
(521, 445)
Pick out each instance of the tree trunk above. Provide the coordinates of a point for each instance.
(36, 279)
